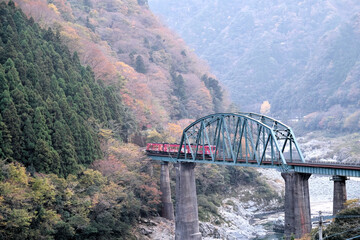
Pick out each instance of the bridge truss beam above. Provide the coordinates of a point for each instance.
(239, 139)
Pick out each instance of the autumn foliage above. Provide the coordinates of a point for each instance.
(124, 43)
(87, 205)
(68, 169)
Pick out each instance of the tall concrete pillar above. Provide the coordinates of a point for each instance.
(187, 220)
(167, 209)
(339, 193)
(297, 204)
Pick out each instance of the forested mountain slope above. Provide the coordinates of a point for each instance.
(49, 100)
(124, 42)
(301, 56)
(53, 117)
(328, 92)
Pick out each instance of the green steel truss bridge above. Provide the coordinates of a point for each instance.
(248, 139)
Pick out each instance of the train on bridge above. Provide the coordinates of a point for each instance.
(172, 149)
(204, 154)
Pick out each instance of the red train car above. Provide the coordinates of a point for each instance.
(154, 147)
(173, 148)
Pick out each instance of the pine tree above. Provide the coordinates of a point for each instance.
(180, 99)
(41, 129)
(216, 92)
(11, 74)
(10, 45)
(45, 158)
(64, 144)
(10, 116)
(12, 121)
(5, 141)
(140, 65)
(29, 142)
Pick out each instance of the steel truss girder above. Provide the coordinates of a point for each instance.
(238, 139)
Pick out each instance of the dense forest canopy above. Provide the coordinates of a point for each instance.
(50, 103)
(53, 116)
(124, 43)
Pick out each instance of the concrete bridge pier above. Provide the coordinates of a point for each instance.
(340, 196)
(297, 204)
(167, 208)
(187, 220)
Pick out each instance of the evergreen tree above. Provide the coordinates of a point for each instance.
(140, 65)
(11, 74)
(216, 92)
(41, 129)
(29, 141)
(45, 158)
(5, 141)
(64, 144)
(10, 119)
(179, 91)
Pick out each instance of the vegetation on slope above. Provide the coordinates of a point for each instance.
(346, 224)
(122, 41)
(102, 202)
(302, 57)
(330, 83)
(54, 115)
(49, 102)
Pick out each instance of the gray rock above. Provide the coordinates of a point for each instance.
(145, 231)
(209, 230)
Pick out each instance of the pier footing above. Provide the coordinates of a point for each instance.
(340, 196)
(297, 204)
(167, 209)
(187, 220)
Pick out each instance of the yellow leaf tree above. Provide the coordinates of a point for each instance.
(265, 107)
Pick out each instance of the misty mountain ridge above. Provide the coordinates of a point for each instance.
(302, 57)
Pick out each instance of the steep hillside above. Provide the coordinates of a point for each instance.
(301, 56)
(49, 102)
(53, 117)
(122, 41)
(327, 94)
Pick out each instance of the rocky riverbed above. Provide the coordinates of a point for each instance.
(241, 221)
